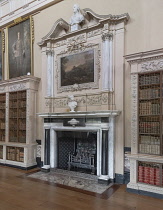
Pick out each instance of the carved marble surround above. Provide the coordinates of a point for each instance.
(141, 62)
(93, 123)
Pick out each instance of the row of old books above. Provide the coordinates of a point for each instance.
(149, 174)
(149, 93)
(13, 138)
(149, 127)
(20, 114)
(22, 126)
(2, 97)
(2, 136)
(13, 104)
(149, 79)
(144, 139)
(1, 152)
(21, 94)
(149, 108)
(11, 153)
(2, 125)
(22, 104)
(15, 154)
(2, 105)
(2, 114)
(149, 149)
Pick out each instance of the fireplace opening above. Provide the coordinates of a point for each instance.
(77, 151)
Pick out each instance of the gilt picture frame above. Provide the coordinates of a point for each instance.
(20, 47)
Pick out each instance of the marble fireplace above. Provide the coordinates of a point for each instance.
(94, 130)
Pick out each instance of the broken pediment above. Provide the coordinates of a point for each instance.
(79, 21)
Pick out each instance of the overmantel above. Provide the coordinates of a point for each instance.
(93, 114)
(61, 28)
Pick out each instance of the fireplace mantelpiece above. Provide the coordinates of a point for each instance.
(102, 122)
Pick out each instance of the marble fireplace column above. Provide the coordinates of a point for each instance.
(53, 149)
(47, 147)
(104, 177)
(50, 71)
(107, 72)
(104, 169)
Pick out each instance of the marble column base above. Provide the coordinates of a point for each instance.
(45, 168)
(104, 179)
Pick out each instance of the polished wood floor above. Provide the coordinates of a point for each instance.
(18, 192)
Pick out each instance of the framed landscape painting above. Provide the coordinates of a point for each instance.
(77, 68)
(20, 49)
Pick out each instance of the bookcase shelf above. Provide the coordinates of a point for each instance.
(2, 116)
(18, 121)
(150, 173)
(17, 116)
(150, 95)
(15, 154)
(1, 152)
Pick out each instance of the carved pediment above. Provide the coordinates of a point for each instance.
(89, 19)
(59, 28)
(93, 17)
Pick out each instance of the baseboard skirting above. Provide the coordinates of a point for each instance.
(19, 167)
(142, 192)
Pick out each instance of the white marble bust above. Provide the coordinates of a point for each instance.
(76, 19)
(72, 103)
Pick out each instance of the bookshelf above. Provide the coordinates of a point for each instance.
(18, 121)
(15, 154)
(17, 117)
(150, 113)
(2, 116)
(150, 173)
(146, 158)
(1, 152)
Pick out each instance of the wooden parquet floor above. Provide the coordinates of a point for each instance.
(17, 192)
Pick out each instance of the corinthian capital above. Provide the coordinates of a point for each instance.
(107, 36)
(49, 52)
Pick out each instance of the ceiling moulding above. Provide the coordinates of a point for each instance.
(3, 2)
(93, 20)
(25, 10)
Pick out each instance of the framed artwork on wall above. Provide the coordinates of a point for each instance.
(78, 70)
(2, 41)
(20, 44)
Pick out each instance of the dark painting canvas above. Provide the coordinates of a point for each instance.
(0, 55)
(77, 68)
(19, 49)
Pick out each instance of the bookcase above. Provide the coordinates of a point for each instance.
(18, 121)
(15, 153)
(146, 158)
(17, 117)
(1, 152)
(150, 113)
(2, 116)
(150, 173)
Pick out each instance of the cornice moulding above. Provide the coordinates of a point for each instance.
(62, 25)
(144, 56)
(113, 113)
